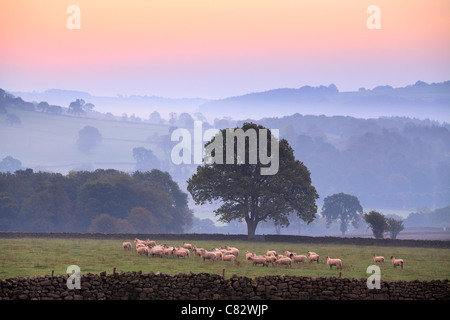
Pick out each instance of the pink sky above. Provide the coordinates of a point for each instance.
(219, 48)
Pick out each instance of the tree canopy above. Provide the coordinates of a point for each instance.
(83, 201)
(88, 138)
(344, 208)
(244, 192)
(376, 222)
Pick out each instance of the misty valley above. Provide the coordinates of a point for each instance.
(71, 168)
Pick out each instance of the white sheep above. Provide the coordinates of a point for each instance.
(285, 260)
(187, 245)
(397, 262)
(142, 250)
(126, 245)
(156, 251)
(288, 253)
(234, 251)
(140, 245)
(271, 252)
(229, 257)
(168, 251)
(248, 255)
(313, 257)
(297, 258)
(188, 253)
(334, 262)
(259, 260)
(136, 241)
(270, 259)
(379, 259)
(218, 253)
(180, 252)
(150, 243)
(198, 251)
(209, 255)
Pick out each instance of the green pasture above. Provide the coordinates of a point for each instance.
(28, 257)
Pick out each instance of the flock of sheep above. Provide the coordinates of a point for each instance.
(150, 248)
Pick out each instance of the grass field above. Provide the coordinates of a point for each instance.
(28, 257)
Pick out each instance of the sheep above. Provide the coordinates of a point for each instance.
(209, 256)
(259, 260)
(198, 251)
(270, 259)
(397, 262)
(379, 259)
(187, 245)
(126, 245)
(334, 262)
(271, 252)
(311, 253)
(142, 250)
(313, 257)
(297, 258)
(168, 251)
(234, 251)
(288, 253)
(218, 253)
(285, 260)
(248, 255)
(140, 245)
(180, 252)
(156, 251)
(188, 253)
(229, 257)
(150, 243)
(136, 241)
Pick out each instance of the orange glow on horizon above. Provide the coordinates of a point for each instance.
(180, 34)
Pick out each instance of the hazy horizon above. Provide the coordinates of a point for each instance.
(418, 100)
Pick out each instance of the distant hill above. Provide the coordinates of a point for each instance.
(420, 100)
(141, 106)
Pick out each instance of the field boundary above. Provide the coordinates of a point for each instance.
(205, 286)
(443, 244)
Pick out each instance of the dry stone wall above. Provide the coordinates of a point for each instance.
(204, 286)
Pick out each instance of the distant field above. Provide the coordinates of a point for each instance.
(49, 141)
(28, 256)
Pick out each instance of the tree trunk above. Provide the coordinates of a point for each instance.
(251, 228)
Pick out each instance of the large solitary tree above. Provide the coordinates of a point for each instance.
(344, 208)
(242, 190)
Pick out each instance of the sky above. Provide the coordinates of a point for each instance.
(219, 48)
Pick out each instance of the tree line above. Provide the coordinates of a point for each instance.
(98, 201)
